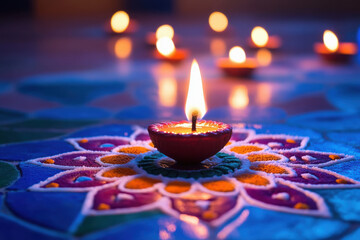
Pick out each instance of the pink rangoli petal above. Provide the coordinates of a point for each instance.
(280, 142)
(288, 198)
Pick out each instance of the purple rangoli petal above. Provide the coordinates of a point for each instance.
(105, 143)
(288, 198)
(70, 160)
(308, 157)
(280, 142)
(241, 134)
(208, 210)
(75, 180)
(111, 200)
(312, 177)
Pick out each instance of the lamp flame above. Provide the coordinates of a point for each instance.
(195, 101)
(331, 41)
(237, 54)
(218, 21)
(259, 36)
(165, 46)
(119, 21)
(165, 31)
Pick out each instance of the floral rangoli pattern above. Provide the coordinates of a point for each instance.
(127, 175)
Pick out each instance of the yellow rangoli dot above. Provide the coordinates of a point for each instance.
(209, 215)
(268, 168)
(301, 206)
(141, 183)
(219, 186)
(246, 149)
(83, 140)
(103, 206)
(134, 150)
(118, 172)
(341, 181)
(177, 187)
(151, 144)
(289, 140)
(229, 143)
(334, 157)
(251, 178)
(263, 157)
(117, 159)
(49, 161)
(52, 185)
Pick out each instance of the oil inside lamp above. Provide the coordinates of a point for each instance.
(237, 65)
(192, 141)
(333, 51)
(166, 50)
(218, 21)
(261, 39)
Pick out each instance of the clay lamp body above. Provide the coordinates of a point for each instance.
(237, 65)
(191, 142)
(120, 23)
(162, 31)
(261, 39)
(333, 51)
(166, 51)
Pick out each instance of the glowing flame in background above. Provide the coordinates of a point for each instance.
(331, 41)
(259, 36)
(165, 46)
(165, 31)
(237, 54)
(218, 21)
(119, 21)
(195, 98)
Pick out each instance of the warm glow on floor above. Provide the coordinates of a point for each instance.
(123, 47)
(217, 47)
(167, 91)
(264, 57)
(239, 97)
(218, 21)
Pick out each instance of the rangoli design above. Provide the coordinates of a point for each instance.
(127, 175)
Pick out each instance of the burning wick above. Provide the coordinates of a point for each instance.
(193, 120)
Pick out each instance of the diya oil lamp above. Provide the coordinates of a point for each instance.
(333, 51)
(237, 65)
(261, 39)
(120, 23)
(166, 51)
(163, 31)
(190, 142)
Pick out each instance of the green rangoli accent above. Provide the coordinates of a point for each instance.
(226, 165)
(8, 174)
